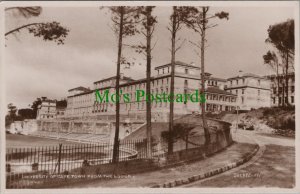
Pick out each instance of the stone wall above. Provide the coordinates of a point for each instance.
(24, 127)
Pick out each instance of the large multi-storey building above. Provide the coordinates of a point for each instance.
(252, 91)
(187, 81)
(47, 109)
(277, 87)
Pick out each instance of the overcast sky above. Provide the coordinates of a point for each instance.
(36, 68)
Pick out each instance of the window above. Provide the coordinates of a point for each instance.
(236, 92)
(237, 82)
(274, 90)
(292, 89)
(243, 91)
(230, 82)
(242, 100)
(258, 82)
(274, 100)
(243, 80)
(185, 82)
(258, 92)
(186, 71)
(292, 99)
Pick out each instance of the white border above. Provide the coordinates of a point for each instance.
(294, 4)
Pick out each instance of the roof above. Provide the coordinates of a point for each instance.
(216, 78)
(80, 88)
(115, 77)
(247, 75)
(218, 91)
(280, 75)
(177, 63)
(49, 100)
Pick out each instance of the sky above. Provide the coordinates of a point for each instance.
(35, 68)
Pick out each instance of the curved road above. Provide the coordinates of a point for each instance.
(273, 165)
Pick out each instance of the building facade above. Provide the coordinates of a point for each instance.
(278, 97)
(252, 91)
(46, 110)
(187, 81)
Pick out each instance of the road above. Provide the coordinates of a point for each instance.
(273, 165)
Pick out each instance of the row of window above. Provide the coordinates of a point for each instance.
(285, 100)
(280, 89)
(243, 92)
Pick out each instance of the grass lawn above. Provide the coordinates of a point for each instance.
(21, 141)
(276, 168)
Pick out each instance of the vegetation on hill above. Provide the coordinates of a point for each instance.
(277, 120)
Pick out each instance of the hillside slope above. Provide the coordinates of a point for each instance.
(276, 120)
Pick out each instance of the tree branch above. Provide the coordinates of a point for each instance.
(21, 27)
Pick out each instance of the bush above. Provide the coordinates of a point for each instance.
(251, 128)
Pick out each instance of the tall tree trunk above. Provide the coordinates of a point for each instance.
(283, 86)
(171, 115)
(205, 126)
(278, 85)
(287, 79)
(148, 102)
(116, 139)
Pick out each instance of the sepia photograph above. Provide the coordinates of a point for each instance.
(149, 97)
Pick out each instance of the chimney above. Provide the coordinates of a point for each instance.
(240, 73)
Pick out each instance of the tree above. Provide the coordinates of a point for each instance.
(35, 106)
(176, 22)
(26, 113)
(272, 60)
(198, 21)
(11, 115)
(49, 31)
(181, 131)
(282, 37)
(124, 20)
(61, 103)
(12, 109)
(148, 25)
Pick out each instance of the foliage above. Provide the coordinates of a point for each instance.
(11, 115)
(26, 12)
(26, 113)
(147, 27)
(282, 36)
(180, 130)
(35, 105)
(49, 31)
(270, 58)
(61, 103)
